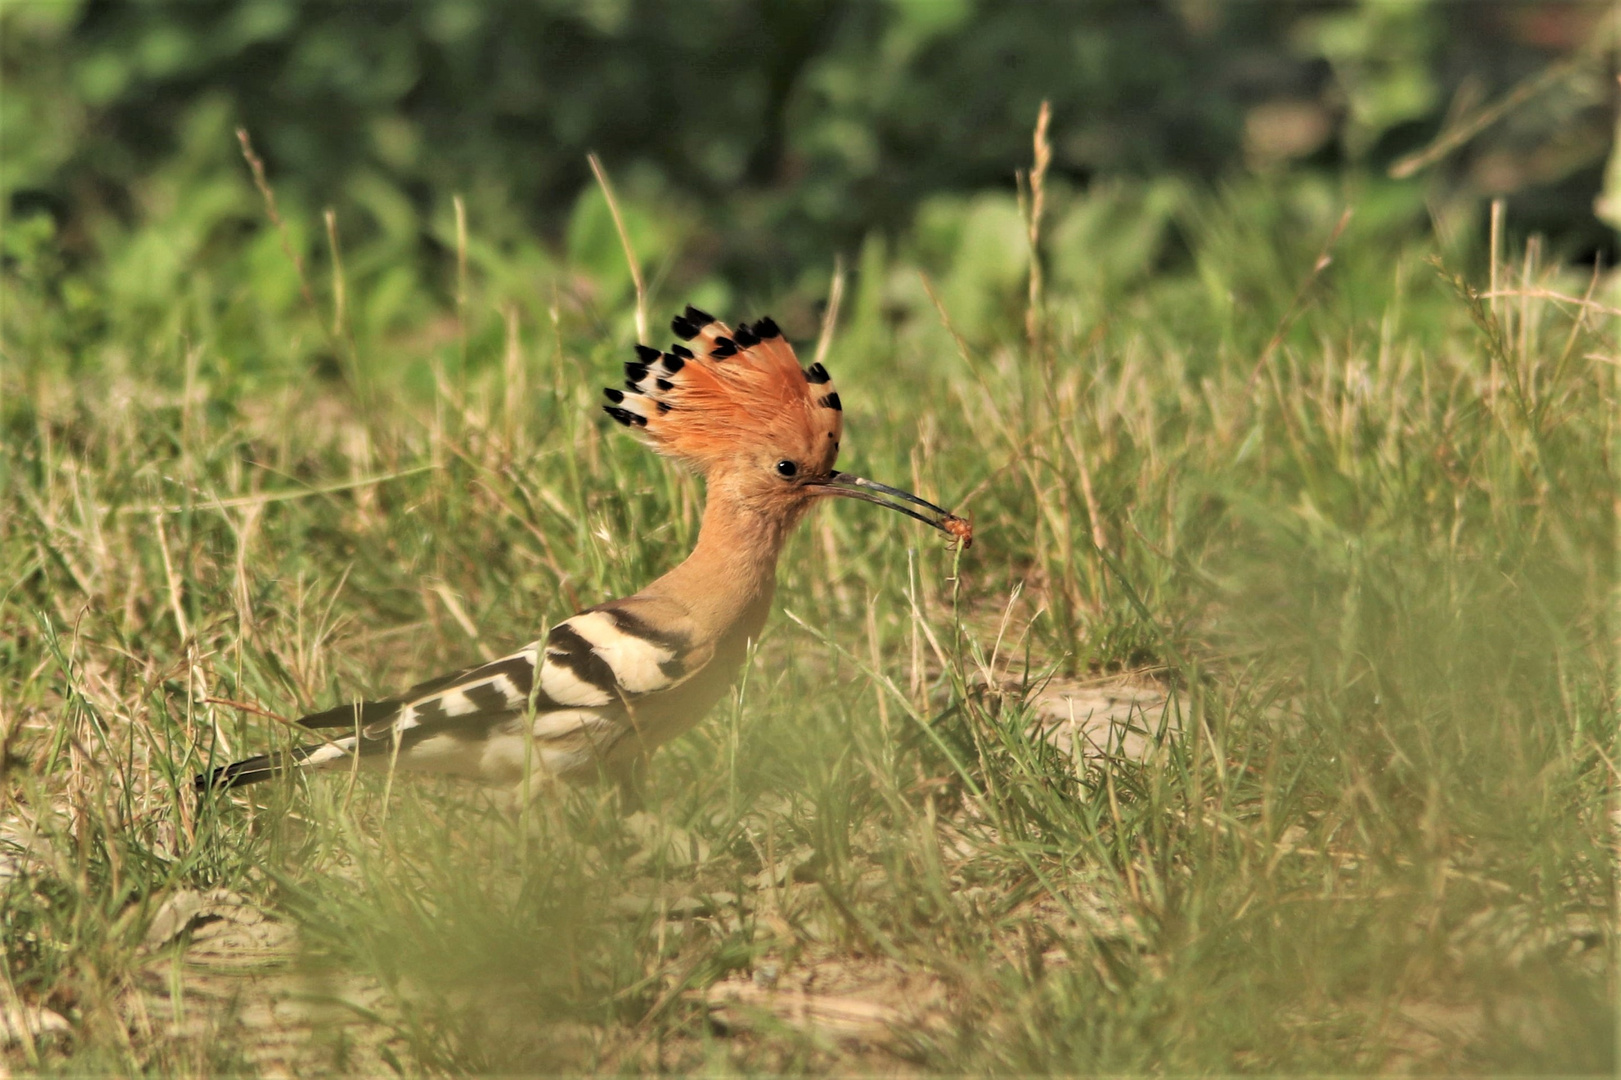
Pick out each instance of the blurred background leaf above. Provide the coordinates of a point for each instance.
(755, 140)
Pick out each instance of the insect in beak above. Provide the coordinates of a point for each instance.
(859, 487)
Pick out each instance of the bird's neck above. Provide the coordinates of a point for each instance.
(728, 580)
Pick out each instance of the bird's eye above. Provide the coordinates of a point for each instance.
(787, 469)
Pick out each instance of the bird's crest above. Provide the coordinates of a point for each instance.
(722, 389)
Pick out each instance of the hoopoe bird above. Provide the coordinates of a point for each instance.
(604, 688)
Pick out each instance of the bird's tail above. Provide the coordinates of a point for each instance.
(267, 766)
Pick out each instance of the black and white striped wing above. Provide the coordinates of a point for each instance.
(501, 686)
(592, 669)
(620, 651)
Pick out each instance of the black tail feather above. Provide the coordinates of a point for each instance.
(249, 770)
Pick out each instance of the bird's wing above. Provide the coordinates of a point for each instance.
(620, 651)
(511, 675)
(593, 667)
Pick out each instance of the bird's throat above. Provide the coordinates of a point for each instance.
(728, 580)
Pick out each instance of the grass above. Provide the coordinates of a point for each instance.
(1353, 529)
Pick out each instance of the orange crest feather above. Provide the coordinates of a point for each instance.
(728, 390)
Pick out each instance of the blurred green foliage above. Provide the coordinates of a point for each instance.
(750, 141)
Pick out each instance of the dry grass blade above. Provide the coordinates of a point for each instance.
(1298, 303)
(624, 240)
(460, 209)
(256, 166)
(1043, 157)
(340, 286)
(830, 314)
(1457, 135)
(232, 502)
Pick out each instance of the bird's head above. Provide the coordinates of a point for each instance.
(736, 405)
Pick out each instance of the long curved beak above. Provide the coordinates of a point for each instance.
(902, 502)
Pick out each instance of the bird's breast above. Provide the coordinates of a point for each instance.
(657, 718)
